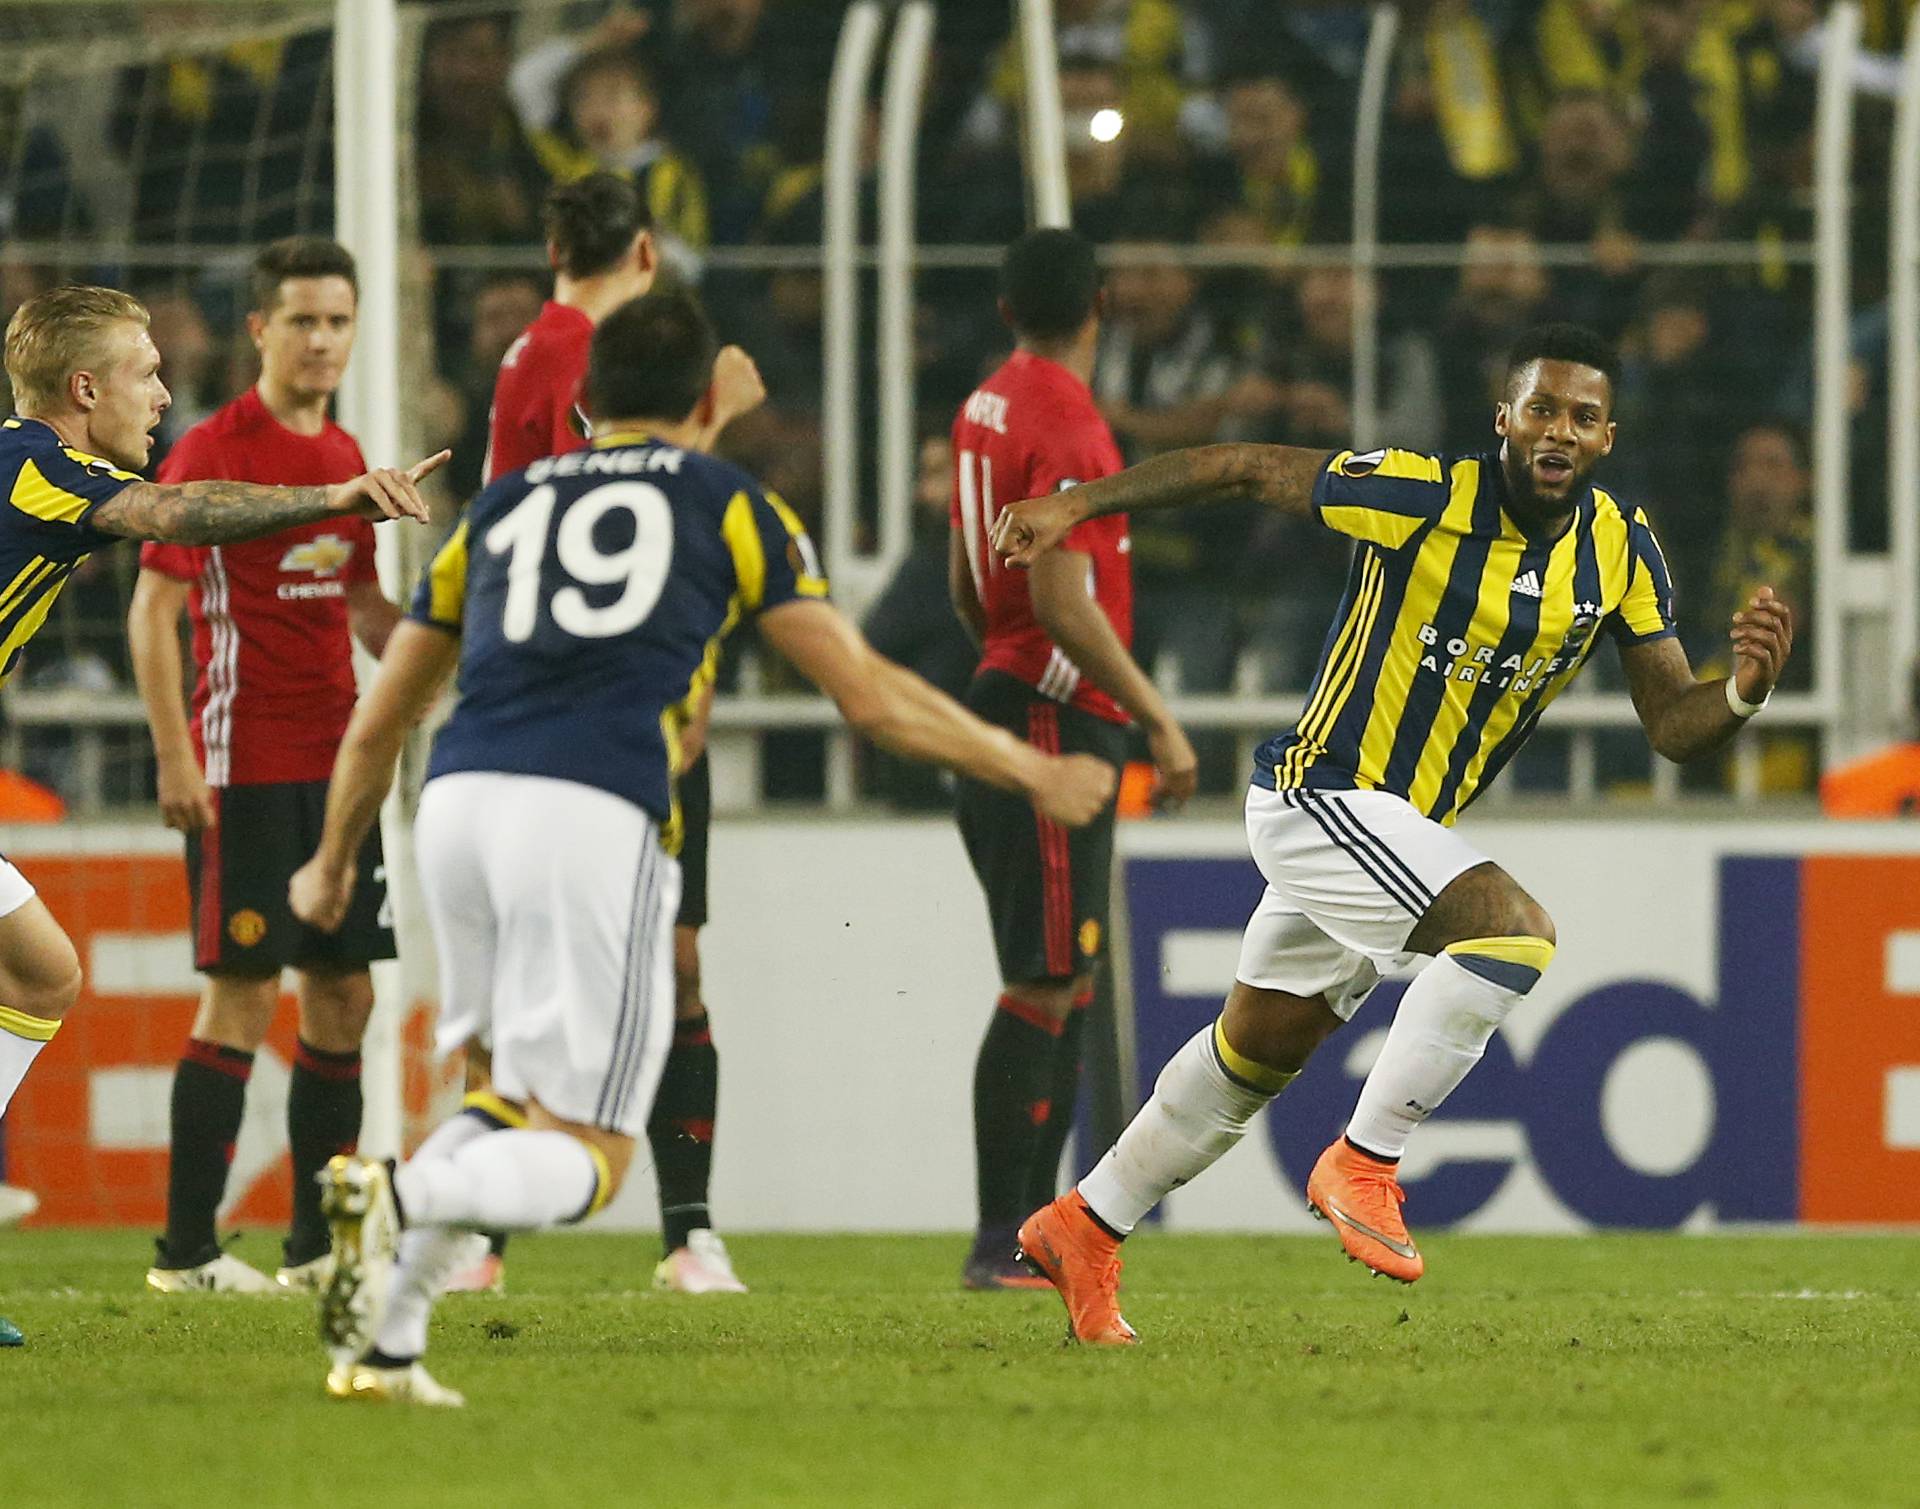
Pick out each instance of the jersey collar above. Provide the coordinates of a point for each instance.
(621, 437)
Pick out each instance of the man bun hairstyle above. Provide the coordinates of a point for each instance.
(60, 332)
(592, 221)
(652, 358)
(299, 257)
(1050, 280)
(1564, 343)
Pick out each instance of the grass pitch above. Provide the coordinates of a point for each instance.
(1600, 1370)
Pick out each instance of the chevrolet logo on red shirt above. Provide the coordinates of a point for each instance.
(323, 556)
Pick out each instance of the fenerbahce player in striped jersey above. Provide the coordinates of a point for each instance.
(602, 254)
(1479, 586)
(87, 395)
(273, 624)
(1054, 670)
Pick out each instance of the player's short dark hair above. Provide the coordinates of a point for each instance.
(1564, 343)
(299, 257)
(1050, 279)
(652, 358)
(592, 221)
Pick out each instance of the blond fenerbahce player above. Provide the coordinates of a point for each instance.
(1479, 585)
(87, 395)
(584, 600)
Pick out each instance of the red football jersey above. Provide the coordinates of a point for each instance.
(1028, 430)
(536, 393)
(270, 639)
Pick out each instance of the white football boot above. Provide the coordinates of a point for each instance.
(700, 1267)
(16, 1204)
(225, 1274)
(411, 1384)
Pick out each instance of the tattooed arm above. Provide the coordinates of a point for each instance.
(213, 513)
(1280, 476)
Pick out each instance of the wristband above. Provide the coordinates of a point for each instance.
(1739, 706)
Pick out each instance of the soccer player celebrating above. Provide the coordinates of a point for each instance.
(87, 396)
(584, 601)
(602, 254)
(273, 625)
(1479, 586)
(1055, 671)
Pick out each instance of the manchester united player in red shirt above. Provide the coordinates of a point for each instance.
(1055, 670)
(246, 781)
(602, 254)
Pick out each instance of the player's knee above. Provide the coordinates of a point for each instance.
(1275, 1030)
(335, 1009)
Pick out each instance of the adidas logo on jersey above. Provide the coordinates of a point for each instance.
(1527, 584)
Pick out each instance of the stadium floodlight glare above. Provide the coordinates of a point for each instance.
(1106, 125)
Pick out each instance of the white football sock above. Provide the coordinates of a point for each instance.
(504, 1181)
(1444, 1023)
(451, 1135)
(428, 1257)
(1201, 1106)
(21, 1039)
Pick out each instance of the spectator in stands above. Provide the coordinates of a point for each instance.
(222, 146)
(1502, 292)
(1578, 193)
(603, 111)
(1160, 53)
(480, 180)
(1266, 187)
(39, 200)
(1769, 540)
(722, 70)
(189, 363)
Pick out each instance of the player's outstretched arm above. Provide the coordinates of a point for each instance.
(416, 665)
(217, 512)
(1686, 718)
(1075, 622)
(153, 641)
(1280, 476)
(903, 714)
(737, 389)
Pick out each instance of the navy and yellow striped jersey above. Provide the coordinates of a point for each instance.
(591, 593)
(1457, 628)
(51, 491)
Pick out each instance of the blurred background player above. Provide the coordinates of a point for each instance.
(583, 601)
(87, 398)
(602, 253)
(1055, 671)
(274, 621)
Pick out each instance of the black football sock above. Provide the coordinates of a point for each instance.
(1011, 1084)
(680, 1131)
(323, 1118)
(209, 1096)
(1062, 1098)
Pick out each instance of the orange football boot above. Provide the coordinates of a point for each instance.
(1067, 1247)
(1359, 1195)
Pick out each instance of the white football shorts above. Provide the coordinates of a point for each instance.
(552, 906)
(1348, 875)
(15, 889)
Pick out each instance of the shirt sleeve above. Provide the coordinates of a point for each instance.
(773, 559)
(57, 490)
(181, 562)
(1646, 611)
(441, 598)
(362, 565)
(1383, 497)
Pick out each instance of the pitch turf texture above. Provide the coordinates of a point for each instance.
(1600, 1370)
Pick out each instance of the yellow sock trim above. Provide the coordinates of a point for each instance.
(1535, 953)
(35, 1029)
(1273, 1081)
(602, 1180)
(487, 1103)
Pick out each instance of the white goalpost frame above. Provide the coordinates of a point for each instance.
(367, 222)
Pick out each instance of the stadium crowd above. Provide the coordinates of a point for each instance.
(1601, 130)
